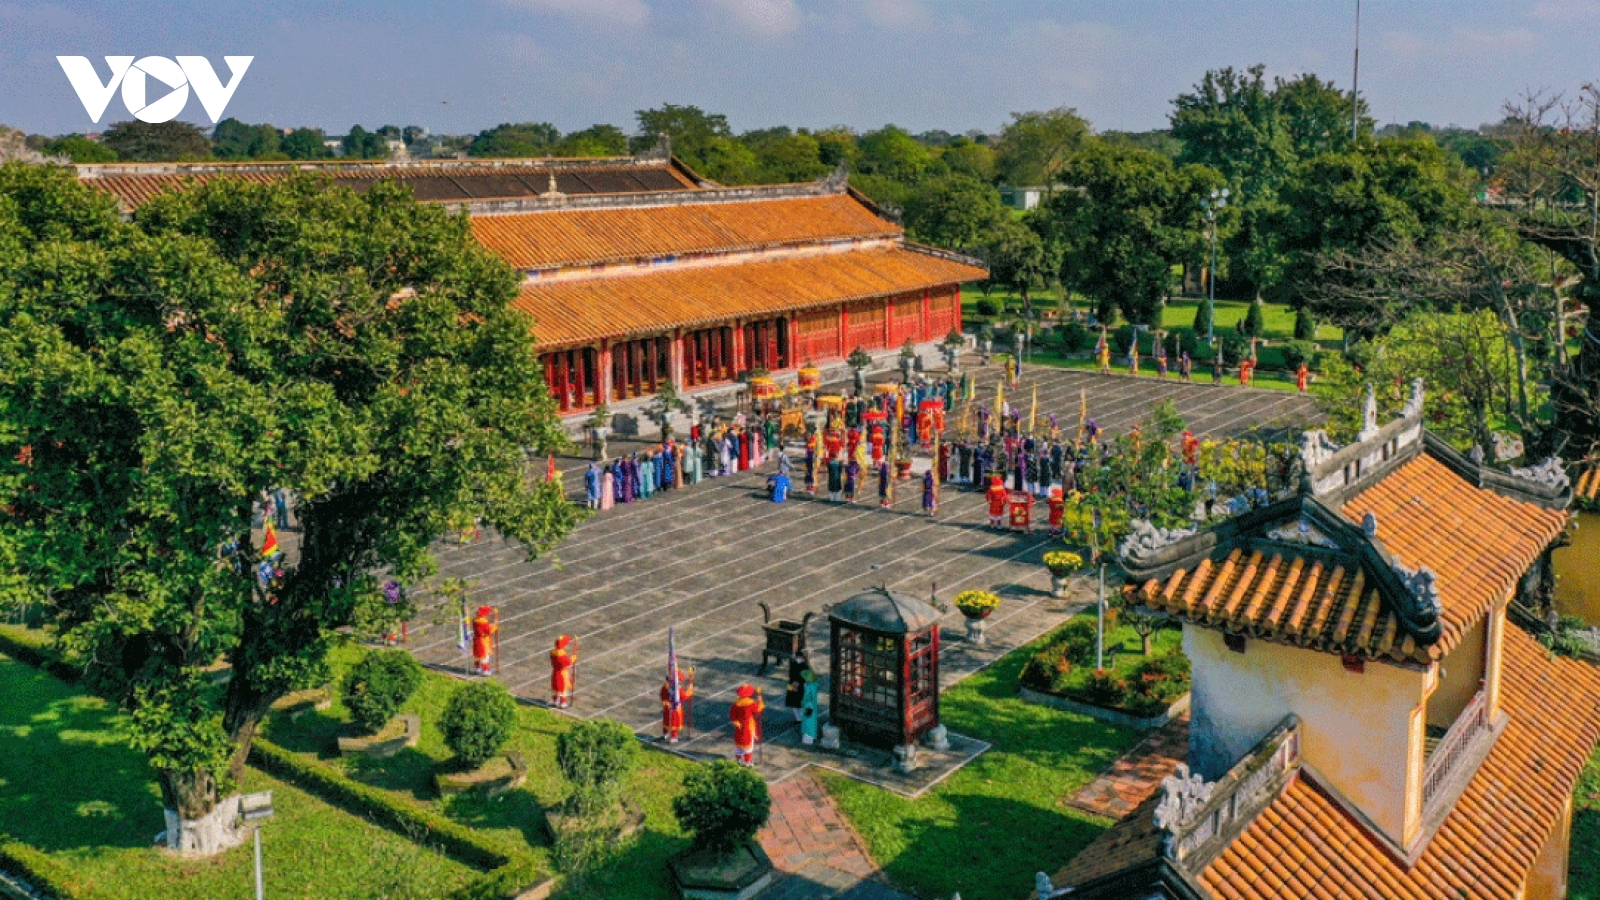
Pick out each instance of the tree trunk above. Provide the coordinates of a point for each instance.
(197, 822)
(243, 708)
(1144, 643)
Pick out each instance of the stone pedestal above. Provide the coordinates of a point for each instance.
(975, 631)
(830, 737)
(937, 738)
(905, 758)
(1058, 585)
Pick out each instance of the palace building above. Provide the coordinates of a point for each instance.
(1365, 721)
(637, 272)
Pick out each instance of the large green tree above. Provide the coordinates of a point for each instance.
(525, 139)
(233, 139)
(955, 211)
(135, 141)
(1124, 219)
(79, 149)
(306, 143)
(360, 143)
(359, 351)
(1034, 147)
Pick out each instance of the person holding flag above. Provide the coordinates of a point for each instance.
(1102, 353)
(1302, 377)
(563, 671)
(745, 715)
(676, 692)
(269, 542)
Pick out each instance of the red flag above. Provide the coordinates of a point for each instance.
(550, 468)
(269, 543)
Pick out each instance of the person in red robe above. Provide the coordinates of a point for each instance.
(1191, 449)
(483, 639)
(745, 714)
(1302, 377)
(672, 719)
(852, 440)
(744, 450)
(876, 443)
(997, 495)
(833, 442)
(1058, 510)
(563, 660)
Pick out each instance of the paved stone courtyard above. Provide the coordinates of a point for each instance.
(701, 559)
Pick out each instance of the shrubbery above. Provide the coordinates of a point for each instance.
(596, 756)
(1075, 338)
(1297, 352)
(477, 721)
(986, 307)
(1305, 327)
(1255, 320)
(723, 805)
(376, 687)
(1062, 667)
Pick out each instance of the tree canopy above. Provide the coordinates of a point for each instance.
(157, 374)
(135, 141)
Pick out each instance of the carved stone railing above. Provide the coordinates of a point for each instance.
(1200, 817)
(1457, 744)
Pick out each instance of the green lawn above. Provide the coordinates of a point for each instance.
(1584, 868)
(513, 820)
(1122, 649)
(1272, 381)
(70, 787)
(988, 828)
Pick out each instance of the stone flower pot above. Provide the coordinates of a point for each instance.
(976, 626)
(1058, 585)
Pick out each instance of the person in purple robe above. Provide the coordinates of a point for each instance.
(1019, 470)
(624, 480)
(930, 496)
(852, 479)
(884, 475)
(983, 423)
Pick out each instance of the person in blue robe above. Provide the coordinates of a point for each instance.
(591, 485)
(647, 476)
(669, 466)
(778, 487)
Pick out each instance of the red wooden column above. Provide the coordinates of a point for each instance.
(927, 314)
(582, 356)
(888, 322)
(957, 309)
(794, 341)
(738, 346)
(653, 361)
(602, 371)
(676, 368)
(844, 330)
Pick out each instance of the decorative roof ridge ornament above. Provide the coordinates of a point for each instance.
(553, 191)
(836, 181)
(1316, 448)
(1423, 584)
(1146, 539)
(1369, 415)
(1413, 407)
(1183, 797)
(1548, 474)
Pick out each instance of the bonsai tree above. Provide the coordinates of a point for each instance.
(1305, 327)
(858, 361)
(1255, 321)
(667, 402)
(722, 805)
(599, 425)
(596, 757)
(477, 721)
(986, 341)
(376, 687)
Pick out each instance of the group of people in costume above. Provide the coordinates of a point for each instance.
(1185, 363)
(718, 449)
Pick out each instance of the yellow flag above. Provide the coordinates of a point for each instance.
(1033, 410)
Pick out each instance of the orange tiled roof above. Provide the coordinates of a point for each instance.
(587, 236)
(1588, 486)
(436, 183)
(1306, 845)
(1286, 597)
(580, 311)
(1478, 542)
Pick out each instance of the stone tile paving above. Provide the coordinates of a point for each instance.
(1136, 774)
(815, 849)
(701, 559)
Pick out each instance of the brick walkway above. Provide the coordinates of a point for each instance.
(818, 854)
(1136, 774)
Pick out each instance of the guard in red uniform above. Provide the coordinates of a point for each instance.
(1302, 377)
(997, 495)
(1058, 510)
(562, 660)
(876, 443)
(672, 718)
(483, 639)
(1191, 448)
(745, 714)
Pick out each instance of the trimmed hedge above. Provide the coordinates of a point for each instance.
(507, 876)
(450, 836)
(37, 653)
(39, 870)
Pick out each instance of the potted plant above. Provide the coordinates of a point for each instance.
(723, 806)
(1061, 563)
(986, 341)
(600, 426)
(476, 723)
(908, 359)
(858, 361)
(596, 758)
(953, 342)
(976, 606)
(373, 691)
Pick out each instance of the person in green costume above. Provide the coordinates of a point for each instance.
(810, 710)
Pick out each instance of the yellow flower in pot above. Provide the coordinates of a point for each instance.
(977, 604)
(1062, 563)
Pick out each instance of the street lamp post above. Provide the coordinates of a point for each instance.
(254, 809)
(1217, 200)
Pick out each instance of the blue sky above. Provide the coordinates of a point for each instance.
(952, 64)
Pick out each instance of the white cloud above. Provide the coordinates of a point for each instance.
(761, 16)
(1459, 43)
(624, 12)
(1566, 10)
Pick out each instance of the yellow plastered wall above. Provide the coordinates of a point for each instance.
(1360, 731)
